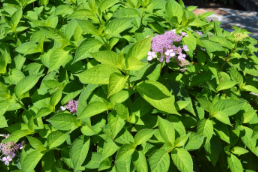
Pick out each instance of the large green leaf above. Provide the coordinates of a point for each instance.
(57, 138)
(26, 84)
(213, 149)
(85, 48)
(139, 161)
(195, 141)
(140, 49)
(159, 161)
(205, 128)
(157, 95)
(116, 123)
(182, 159)
(109, 58)
(228, 106)
(28, 48)
(87, 27)
(224, 85)
(15, 19)
(116, 26)
(143, 136)
(36, 144)
(167, 130)
(173, 9)
(31, 160)
(79, 151)
(57, 59)
(234, 163)
(116, 83)
(110, 147)
(64, 121)
(93, 108)
(126, 13)
(97, 75)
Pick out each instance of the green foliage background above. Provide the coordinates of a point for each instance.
(133, 115)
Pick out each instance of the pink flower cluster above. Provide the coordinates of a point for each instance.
(9, 150)
(71, 106)
(167, 47)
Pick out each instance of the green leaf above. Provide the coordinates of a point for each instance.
(28, 48)
(15, 19)
(234, 163)
(159, 161)
(63, 121)
(222, 117)
(109, 58)
(205, 128)
(143, 135)
(157, 95)
(190, 41)
(31, 161)
(57, 59)
(255, 132)
(107, 4)
(16, 135)
(116, 26)
(251, 88)
(56, 97)
(125, 152)
(88, 27)
(180, 141)
(86, 47)
(236, 76)
(26, 84)
(224, 85)
(248, 140)
(139, 161)
(116, 83)
(222, 41)
(3, 122)
(239, 150)
(206, 104)
(182, 159)
(4, 58)
(110, 147)
(126, 13)
(97, 75)
(53, 34)
(201, 78)
(36, 144)
(122, 111)
(93, 108)
(133, 63)
(212, 46)
(43, 112)
(79, 151)
(228, 106)
(213, 149)
(140, 49)
(48, 161)
(115, 122)
(194, 142)
(57, 138)
(173, 9)
(167, 130)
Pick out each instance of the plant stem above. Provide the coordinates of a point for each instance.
(228, 57)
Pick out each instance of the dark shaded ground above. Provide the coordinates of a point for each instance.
(212, 4)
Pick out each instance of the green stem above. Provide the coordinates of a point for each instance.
(228, 56)
(128, 82)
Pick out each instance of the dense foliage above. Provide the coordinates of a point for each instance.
(124, 85)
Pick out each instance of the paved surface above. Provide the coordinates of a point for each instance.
(243, 19)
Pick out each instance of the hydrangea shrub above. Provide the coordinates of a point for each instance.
(124, 86)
